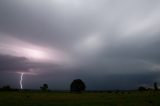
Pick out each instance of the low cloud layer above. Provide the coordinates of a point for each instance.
(15, 64)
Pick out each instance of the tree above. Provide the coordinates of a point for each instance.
(77, 85)
(155, 86)
(6, 88)
(44, 87)
(141, 88)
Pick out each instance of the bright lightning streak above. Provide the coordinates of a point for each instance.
(21, 81)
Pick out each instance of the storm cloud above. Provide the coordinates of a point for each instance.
(97, 40)
(21, 64)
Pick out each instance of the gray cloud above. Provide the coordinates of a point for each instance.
(22, 64)
(10, 63)
(101, 38)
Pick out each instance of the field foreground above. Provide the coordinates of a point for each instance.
(135, 98)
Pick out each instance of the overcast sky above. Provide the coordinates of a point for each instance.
(109, 44)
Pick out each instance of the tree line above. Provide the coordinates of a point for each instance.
(78, 85)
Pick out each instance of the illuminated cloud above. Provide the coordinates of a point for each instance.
(21, 64)
(15, 47)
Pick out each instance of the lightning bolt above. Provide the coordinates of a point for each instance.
(21, 81)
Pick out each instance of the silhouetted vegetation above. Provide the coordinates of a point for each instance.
(6, 88)
(77, 85)
(44, 87)
(141, 88)
(155, 86)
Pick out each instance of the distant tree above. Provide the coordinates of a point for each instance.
(44, 87)
(77, 85)
(6, 88)
(141, 88)
(117, 91)
(149, 89)
(155, 86)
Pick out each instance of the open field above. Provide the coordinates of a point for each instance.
(134, 98)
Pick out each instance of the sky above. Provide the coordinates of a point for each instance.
(109, 44)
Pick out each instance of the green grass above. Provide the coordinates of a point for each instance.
(147, 98)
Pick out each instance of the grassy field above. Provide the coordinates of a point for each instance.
(146, 98)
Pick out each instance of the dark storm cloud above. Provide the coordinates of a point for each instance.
(21, 64)
(103, 38)
(11, 63)
(122, 81)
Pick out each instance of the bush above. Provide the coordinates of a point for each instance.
(141, 88)
(6, 88)
(44, 87)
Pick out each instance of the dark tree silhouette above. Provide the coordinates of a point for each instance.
(141, 88)
(155, 86)
(77, 85)
(6, 88)
(44, 87)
